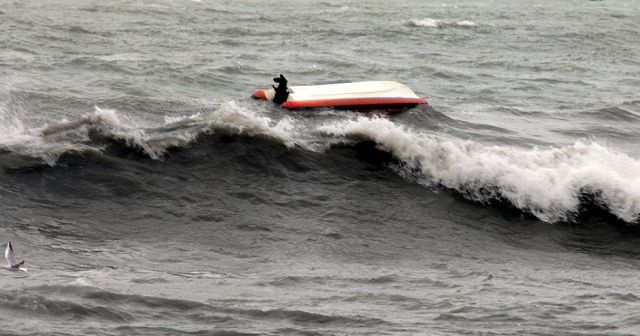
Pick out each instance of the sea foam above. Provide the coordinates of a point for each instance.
(547, 182)
(54, 139)
(435, 23)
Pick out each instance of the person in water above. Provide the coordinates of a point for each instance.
(282, 92)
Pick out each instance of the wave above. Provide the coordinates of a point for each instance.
(88, 302)
(154, 330)
(552, 183)
(549, 183)
(297, 280)
(614, 113)
(94, 131)
(435, 23)
(82, 30)
(40, 304)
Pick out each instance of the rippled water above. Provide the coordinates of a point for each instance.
(149, 195)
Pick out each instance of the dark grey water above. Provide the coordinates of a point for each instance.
(149, 195)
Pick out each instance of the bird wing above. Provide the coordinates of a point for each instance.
(8, 254)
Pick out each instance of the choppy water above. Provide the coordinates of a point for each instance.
(149, 195)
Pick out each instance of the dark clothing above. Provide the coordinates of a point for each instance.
(282, 92)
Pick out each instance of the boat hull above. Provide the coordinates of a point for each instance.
(373, 95)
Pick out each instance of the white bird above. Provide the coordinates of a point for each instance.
(11, 259)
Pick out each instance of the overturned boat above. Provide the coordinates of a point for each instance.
(389, 96)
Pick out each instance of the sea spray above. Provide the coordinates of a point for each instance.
(11, 116)
(50, 141)
(232, 117)
(547, 182)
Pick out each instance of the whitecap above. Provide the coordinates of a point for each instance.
(436, 23)
(547, 182)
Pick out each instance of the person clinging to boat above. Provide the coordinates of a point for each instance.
(367, 96)
(282, 92)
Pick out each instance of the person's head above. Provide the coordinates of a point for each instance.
(280, 79)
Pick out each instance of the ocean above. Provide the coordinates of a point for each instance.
(150, 195)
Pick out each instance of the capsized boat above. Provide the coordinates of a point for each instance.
(371, 95)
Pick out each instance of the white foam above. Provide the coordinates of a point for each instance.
(435, 23)
(547, 182)
(425, 23)
(52, 140)
(16, 137)
(106, 121)
(544, 181)
(11, 126)
(466, 23)
(232, 117)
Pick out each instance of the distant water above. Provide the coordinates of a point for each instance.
(150, 195)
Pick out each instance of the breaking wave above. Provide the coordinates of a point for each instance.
(549, 182)
(92, 131)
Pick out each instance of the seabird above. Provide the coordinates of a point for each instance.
(11, 259)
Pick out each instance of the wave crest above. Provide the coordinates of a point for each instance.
(94, 131)
(547, 182)
(434, 23)
(552, 183)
